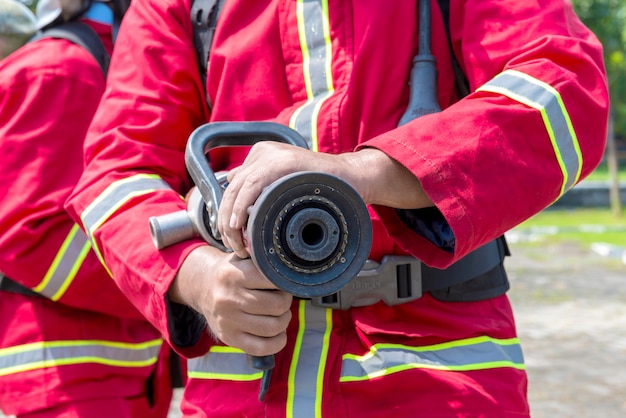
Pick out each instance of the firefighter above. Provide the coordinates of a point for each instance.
(441, 189)
(71, 344)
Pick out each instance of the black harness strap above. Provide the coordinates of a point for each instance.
(460, 80)
(83, 35)
(8, 285)
(204, 15)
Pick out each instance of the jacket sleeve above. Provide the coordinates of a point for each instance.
(533, 126)
(135, 163)
(44, 113)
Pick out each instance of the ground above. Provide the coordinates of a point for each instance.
(570, 305)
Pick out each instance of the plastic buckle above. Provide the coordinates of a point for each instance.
(395, 280)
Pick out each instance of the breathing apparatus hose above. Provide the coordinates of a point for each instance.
(423, 98)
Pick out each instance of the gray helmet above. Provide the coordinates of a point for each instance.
(17, 26)
(48, 12)
(52, 12)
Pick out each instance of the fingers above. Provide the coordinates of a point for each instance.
(257, 326)
(258, 335)
(241, 193)
(243, 308)
(266, 162)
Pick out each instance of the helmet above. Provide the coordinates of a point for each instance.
(52, 12)
(17, 26)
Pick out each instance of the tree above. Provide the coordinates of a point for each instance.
(607, 19)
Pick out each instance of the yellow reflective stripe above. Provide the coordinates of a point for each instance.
(113, 197)
(70, 277)
(307, 369)
(314, 36)
(44, 354)
(110, 190)
(479, 353)
(323, 362)
(304, 47)
(547, 100)
(59, 268)
(296, 356)
(222, 363)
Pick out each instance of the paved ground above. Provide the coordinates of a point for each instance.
(571, 314)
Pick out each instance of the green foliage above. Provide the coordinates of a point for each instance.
(607, 19)
(585, 226)
(601, 173)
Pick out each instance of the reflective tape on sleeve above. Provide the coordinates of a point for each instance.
(222, 363)
(41, 355)
(547, 100)
(65, 265)
(115, 196)
(480, 353)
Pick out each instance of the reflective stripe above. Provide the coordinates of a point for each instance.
(306, 373)
(480, 353)
(113, 197)
(314, 34)
(61, 353)
(222, 363)
(547, 100)
(65, 265)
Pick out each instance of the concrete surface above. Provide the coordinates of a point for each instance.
(571, 316)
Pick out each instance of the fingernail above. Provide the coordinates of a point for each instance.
(233, 221)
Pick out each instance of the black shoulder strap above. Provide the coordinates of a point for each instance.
(460, 80)
(83, 35)
(204, 15)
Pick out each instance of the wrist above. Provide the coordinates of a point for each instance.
(184, 289)
(381, 180)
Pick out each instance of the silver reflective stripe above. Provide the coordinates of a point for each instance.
(306, 374)
(314, 33)
(480, 353)
(222, 363)
(116, 195)
(65, 265)
(547, 100)
(60, 353)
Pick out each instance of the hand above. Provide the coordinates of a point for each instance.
(242, 308)
(267, 162)
(375, 176)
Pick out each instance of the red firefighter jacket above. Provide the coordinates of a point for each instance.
(338, 72)
(42, 126)
(84, 336)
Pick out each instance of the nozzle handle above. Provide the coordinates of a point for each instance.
(218, 134)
